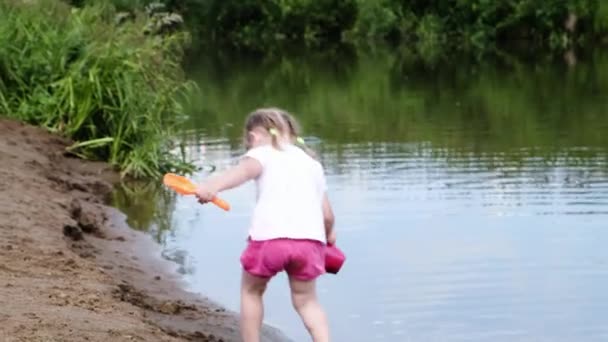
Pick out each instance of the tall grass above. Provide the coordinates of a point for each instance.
(106, 85)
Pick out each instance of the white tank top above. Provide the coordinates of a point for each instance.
(290, 193)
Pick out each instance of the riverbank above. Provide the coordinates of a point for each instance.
(70, 268)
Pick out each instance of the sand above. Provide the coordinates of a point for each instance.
(70, 268)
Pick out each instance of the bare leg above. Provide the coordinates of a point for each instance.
(252, 306)
(304, 299)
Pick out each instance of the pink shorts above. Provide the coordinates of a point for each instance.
(301, 259)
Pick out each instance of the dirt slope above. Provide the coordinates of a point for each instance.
(69, 268)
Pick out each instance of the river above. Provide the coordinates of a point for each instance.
(471, 194)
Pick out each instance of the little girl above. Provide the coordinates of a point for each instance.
(292, 220)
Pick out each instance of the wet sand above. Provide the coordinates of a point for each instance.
(70, 268)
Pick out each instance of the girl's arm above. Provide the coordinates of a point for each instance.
(245, 170)
(329, 220)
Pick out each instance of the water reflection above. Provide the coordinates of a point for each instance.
(471, 196)
(148, 207)
(459, 102)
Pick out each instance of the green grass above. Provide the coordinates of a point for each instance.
(109, 87)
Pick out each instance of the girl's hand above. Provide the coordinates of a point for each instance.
(331, 237)
(204, 194)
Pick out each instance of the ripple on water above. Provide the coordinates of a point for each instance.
(447, 245)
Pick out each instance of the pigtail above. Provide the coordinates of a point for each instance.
(294, 132)
(279, 124)
(274, 134)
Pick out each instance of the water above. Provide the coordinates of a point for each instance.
(471, 196)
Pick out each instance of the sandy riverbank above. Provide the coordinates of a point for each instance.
(70, 269)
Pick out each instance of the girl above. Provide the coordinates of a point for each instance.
(292, 220)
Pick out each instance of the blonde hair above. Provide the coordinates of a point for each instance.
(277, 122)
(295, 133)
(269, 119)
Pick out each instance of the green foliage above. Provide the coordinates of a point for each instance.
(108, 86)
(243, 21)
(260, 23)
(377, 19)
(480, 23)
(251, 22)
(483, 22)
(600, 22)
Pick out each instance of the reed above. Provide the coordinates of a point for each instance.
(108, 84)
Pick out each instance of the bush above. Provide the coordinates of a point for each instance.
(479, 22)
(600, 20)
(377, 19)
(109, 87)
(263, 22)
(482, 22)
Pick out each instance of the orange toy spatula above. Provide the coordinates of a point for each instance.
(184, 186)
